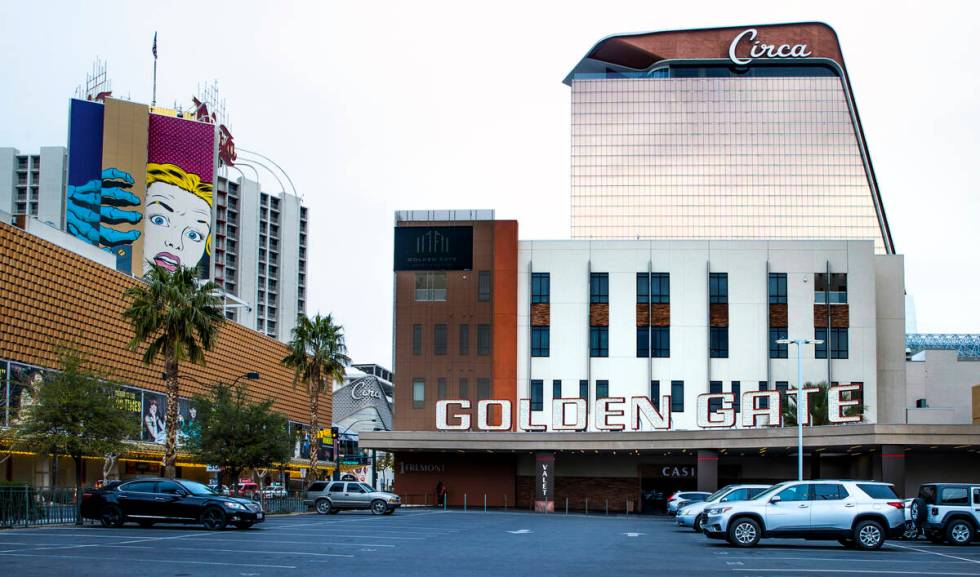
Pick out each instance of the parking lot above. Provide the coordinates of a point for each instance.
(432, 542)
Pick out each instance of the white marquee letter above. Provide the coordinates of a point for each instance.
(442, 416)
(558, 422)
(524, 417)
(705, 420)
(751, 33)
(751, 410)
(654, 418)
(836, 405)
(483, 415)
(603, 411)
(807, 391)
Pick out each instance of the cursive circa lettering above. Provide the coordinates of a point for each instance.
(759, 49)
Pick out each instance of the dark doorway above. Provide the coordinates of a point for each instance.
(659, 482)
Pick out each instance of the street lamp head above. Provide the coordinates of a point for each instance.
(816, 342)
(783, 341)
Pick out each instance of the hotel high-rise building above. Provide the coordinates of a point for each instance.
(727, 133)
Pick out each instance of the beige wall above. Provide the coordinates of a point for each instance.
(890, 304)
(945, 382)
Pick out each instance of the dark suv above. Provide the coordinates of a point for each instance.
(948, 512)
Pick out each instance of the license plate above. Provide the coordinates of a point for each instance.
(260, 516)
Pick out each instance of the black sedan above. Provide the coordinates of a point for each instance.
(149, 501)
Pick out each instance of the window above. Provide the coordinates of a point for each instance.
(416, 339)
(737, 393)
(599, 341)
(540, 341)
(583, 389)
(777, 288)
(655, 393)
(464, 388)
(661, 342)
(642, 288)
(540, 288)
(483, 389)
(169, 488)
(556, 389)
(430, 286)
(714, 387)
(718, 288)
(140, 487)
(778, 350)
(652, 288)
(354, 488)
(337, 488)
(876, 491)
(483, 340)
(677, 396)
(838, 343)
(484, 286)
(317, 486)
(828, 492)
(953, 496)
(799, 492)
(832, 291)
(440, 337)
(601, 389)
(719, 342)
(464, 339)
(537, 395)
(642, 342)
(443, 389)
(599, 288)
(418, 393)
(764, 402)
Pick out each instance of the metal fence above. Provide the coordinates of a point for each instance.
(26, 506)
(489, 502)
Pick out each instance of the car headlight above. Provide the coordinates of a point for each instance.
(392, 499)
(718, 510)
(234, 505)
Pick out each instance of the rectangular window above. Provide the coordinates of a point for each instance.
(430, 286)
(540, 341)
(832, 290)
(418, 393)
(764, 403)
(777, 350)
(537, 395)
(719, 342)
(661, 342)
(583, 389)
(483, 340)
(556, 389)
(484, 285)
(601, 389)
(714, 387)
(440, 338)
(599, 288)
(599, 341)
(737, 393)
(540, 288)
(677, 396)
(416, 339)
(483, 389)
(782, 387)
(718, 288)
(777, 288)
(660, 288)
(642, 342)
(838, 343)
(642, 288)
(464, 339)
(655, 393)
(443, 389)
(464, 388)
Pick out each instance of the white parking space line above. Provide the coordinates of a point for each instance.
(155, 560)
(840, 559)
(281, 542)
(341, 535)
(966, 559)
(254, 551)
(790, 570)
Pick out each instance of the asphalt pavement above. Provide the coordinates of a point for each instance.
(454, 543)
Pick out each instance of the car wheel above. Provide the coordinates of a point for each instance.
(911, 531)
(744, 532)
(146, 524)
(699, 523)
(214, 519)
(847, 543)
(323, 506)
(869, 535)
(378, 507)
(917, 511)
(959, 532)
(244, 524)
(112, 516)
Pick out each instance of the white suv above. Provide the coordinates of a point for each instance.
(858, 514)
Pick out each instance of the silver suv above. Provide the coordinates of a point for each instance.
(692, 514)
(948, 512)
(858, 514)
(329, 497)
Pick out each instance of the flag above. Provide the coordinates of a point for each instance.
(154, 45)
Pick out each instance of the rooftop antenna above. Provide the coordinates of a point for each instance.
(97, 84)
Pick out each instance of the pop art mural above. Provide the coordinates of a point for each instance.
(140, 185)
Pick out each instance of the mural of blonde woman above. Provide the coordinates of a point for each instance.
(177, 215)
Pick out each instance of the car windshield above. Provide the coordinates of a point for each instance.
(717, 494)
(367, 488)
(768, 492)
(198, 489)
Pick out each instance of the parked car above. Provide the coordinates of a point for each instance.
(154, 500)
(249, 488)
(861, 514)
(274, 490)
(692, 514)
(680, 498)
(330, 497)
(948, 512)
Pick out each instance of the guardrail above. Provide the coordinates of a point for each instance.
(26, 506)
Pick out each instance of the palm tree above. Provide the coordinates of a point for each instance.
(817, 404)
(318, 356)
(179, 318)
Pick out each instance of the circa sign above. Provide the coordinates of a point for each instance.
(761, 49)
(362, 390)
(610, 414)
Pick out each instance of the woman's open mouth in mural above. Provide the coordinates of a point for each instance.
(167, 261)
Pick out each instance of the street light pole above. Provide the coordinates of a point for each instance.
(336, 469)
(799, 398)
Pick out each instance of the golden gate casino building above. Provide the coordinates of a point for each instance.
(723, 199)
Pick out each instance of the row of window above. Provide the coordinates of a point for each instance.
(432, 286)
(440, 339)
(484, 390)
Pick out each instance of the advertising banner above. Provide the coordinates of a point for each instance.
(544, 482)
(433, 248)
(131, 400)
(24, 379)
(154, 418)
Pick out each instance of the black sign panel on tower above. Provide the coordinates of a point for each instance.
(433, 248)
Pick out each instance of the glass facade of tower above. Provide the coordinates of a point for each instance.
(705, 152)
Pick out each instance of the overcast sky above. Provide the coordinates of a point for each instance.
(374, 106)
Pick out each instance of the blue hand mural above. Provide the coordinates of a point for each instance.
(100, 203)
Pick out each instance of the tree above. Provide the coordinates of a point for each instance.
(318, 356)
(179, 318)
(74, 412)
(238, 434)
(817, 405)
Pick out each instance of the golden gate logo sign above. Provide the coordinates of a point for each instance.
(639, 413)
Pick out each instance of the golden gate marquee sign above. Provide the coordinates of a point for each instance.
(639, 413)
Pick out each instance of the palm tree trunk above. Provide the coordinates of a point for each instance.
(314, 430)
(173, 396)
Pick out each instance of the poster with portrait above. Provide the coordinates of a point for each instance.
(23, 382)
(131, 400)
(301, 438)
(188, 425)
(154, 418)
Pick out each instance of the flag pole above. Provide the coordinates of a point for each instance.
(154, 69)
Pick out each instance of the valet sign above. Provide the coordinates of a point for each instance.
(639, 413)
(760, 49)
